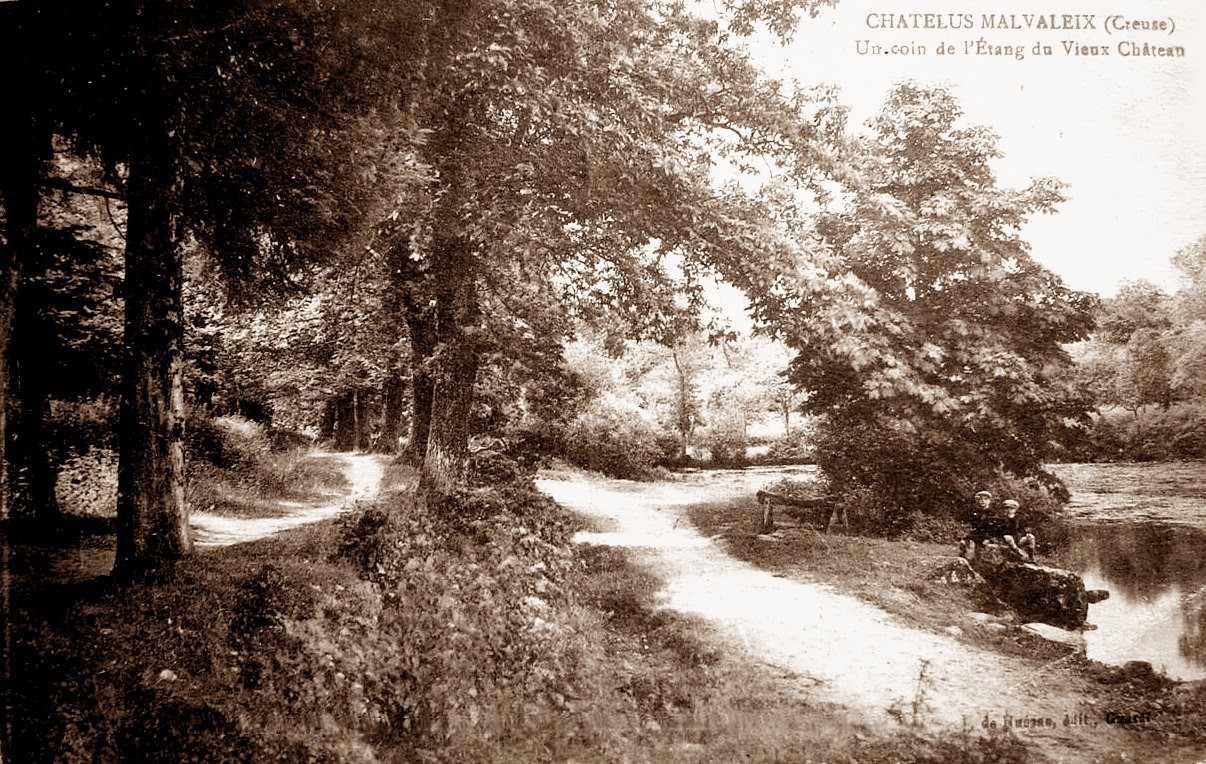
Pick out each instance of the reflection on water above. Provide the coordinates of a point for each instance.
(1156, 576)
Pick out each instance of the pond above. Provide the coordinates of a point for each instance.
(1139, 530)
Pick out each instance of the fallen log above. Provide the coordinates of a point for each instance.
(1037, 592)
(768, 500)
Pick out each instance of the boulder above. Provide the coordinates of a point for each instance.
(1038, 593)
(957, 571)
(1073, 639)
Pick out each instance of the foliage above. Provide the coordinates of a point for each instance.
(238, 467)
(1149, 350)
(80, 425)
(616, 441)
(726, 450)
(76, 326)
(226, 441)
(1190, 300)
(1148, 434)
(87, 483)
(461, 583)
(943, 362)
(570, 158)
(1138, 305)
(284, 654)
(791, 449)
(727, 387)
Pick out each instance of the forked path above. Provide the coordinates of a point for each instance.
(846, 651)
(363, 472)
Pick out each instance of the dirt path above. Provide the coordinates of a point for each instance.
(845, 650)
(95, 559)
(363, 471)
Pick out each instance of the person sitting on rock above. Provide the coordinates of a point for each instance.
(981, 522)
(1014, 533)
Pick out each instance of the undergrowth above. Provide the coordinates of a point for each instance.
(467, 629)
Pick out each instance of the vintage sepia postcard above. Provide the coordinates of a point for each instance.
(603, 381)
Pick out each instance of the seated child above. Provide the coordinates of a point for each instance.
(981, 520)
(1017, 537)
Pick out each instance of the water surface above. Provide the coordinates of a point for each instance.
(1139, 531)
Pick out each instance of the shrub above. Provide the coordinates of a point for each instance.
(789, 450)
(885, 474)
(935, 530)
(78, 426)
(617, 443)
(1150, 434)
(727, 450)
(227, 441)
(514, 460)
(892, 476)
(87, 484)
(467, 583)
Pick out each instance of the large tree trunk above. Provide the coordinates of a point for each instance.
(20, 214)
(31, 455)
(445, 462)
(393, 402)
(152, 519)
(422, 383)
(457, 359)
(20, 169)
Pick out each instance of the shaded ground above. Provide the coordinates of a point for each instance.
(94, 555)
(844, 649)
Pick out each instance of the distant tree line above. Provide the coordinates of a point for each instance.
(1144, 366)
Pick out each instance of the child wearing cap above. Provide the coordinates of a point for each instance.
(981, 522)
(1014, 533)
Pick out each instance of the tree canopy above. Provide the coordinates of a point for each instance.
(941, 360)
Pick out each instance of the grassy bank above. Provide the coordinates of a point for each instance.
(472, 631)
(900, 576)
(903, 577)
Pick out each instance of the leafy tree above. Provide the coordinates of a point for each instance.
(1146, 377)
(233, 123)
(1138, 306)
(1188, 361)
(1191, 298)
(68, 324)
(567, 147)
(941, 362)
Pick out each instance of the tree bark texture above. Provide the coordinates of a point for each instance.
(20, 169)
(393, 403)
(37, 473)
(152, 518)
(444, 465)
(20, 218)
(422, 383)
(456, 362)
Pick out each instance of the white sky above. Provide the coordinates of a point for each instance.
(1128, 135)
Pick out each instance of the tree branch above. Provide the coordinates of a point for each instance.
(59, 184)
